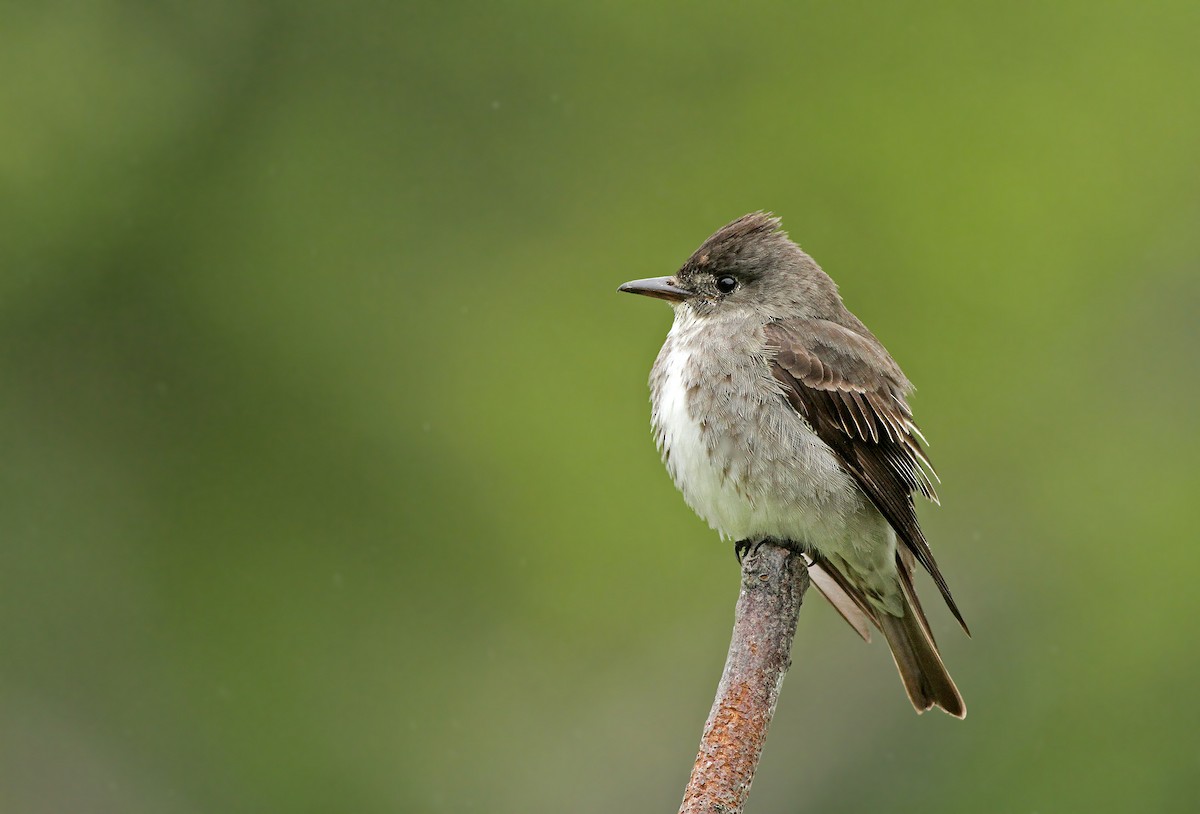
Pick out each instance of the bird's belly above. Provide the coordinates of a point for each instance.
(750, 467)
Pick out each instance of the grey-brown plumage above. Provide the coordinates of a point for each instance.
(780, 416)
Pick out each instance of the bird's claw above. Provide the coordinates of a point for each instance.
(743, 547)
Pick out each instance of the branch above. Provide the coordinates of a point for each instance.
(774, 580)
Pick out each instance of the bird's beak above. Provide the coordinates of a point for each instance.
(661, 287)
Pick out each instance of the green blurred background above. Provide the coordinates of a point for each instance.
(326, 480)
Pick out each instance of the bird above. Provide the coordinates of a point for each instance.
(781, 417)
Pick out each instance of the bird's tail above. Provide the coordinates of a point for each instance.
(925, 677)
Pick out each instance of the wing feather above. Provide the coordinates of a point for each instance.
(853, 396)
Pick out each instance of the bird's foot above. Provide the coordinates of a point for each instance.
(740, 548)
(744, 547)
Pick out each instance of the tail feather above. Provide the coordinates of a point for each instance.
(925, 677)
(844, 599)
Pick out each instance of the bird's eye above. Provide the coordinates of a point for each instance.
(726, 284)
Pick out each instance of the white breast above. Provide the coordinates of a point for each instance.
(685, 449)
(791, 487)
(682, 447)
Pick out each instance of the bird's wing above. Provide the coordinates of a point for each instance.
(853, 396)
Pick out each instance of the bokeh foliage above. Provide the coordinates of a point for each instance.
(327, 483)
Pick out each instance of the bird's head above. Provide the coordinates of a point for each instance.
(747, 268)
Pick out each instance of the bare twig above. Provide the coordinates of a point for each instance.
(774, 580)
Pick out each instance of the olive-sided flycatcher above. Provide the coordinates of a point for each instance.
(781, 417)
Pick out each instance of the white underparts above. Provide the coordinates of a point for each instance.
(790, 486)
